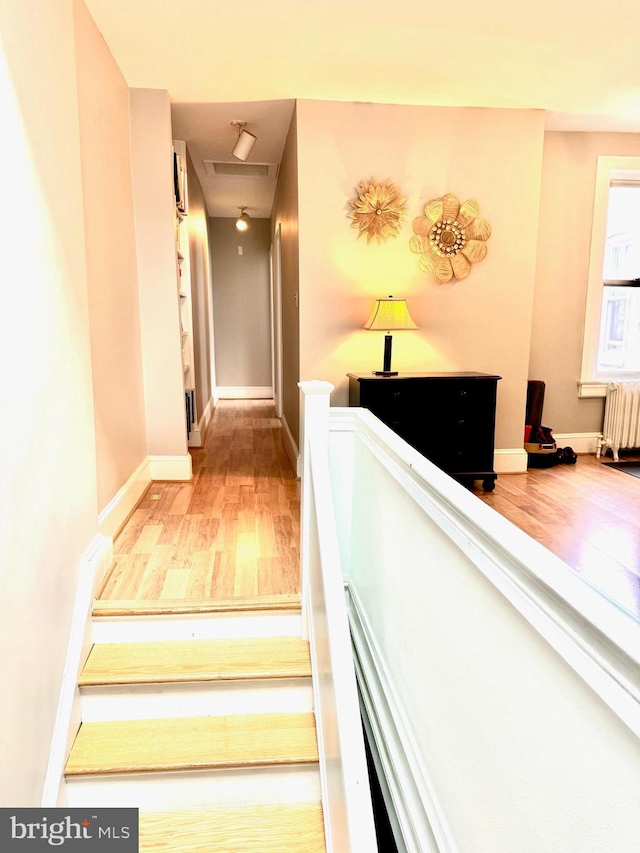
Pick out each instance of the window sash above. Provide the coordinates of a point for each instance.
(611, 171)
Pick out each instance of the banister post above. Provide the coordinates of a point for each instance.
(314, 427)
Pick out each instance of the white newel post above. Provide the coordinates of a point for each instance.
(314, 426)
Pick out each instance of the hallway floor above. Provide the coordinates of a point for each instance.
(233, 531)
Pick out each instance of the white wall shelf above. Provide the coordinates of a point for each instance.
(183, 279)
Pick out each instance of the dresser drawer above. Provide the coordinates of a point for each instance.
(449, 418)
(392, 404)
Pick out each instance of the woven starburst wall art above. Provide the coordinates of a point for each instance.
(378, 211)
(449, 238)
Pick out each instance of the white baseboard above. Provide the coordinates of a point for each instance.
(292, 448)
(245, 392)
(116, 512)
(197, 435)
(119, 508)
(510, 460)
(416, 815)
(170, 467)
(94, 565)
(581, 442)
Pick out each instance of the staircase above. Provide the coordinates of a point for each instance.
(201, 714)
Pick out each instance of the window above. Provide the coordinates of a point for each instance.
(612, 324)
(619, 345)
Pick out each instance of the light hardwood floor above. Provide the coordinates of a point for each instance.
(184, 661)
(232, 532)
(189, 743)
(588, 514)
(292, 827)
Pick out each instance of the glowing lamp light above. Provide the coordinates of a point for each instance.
(389, 315)
(242, 222)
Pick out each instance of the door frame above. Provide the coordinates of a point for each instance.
(275, 256)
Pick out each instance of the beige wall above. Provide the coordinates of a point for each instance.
(285, 214)
(241, 303)
(103, 98)
(200, 269)
(48, 507)
(482, 323)
(154, 210)
(566, 215)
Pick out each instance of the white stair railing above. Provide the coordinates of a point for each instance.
(346, 798)
(501, 689)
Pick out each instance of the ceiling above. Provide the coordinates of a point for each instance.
(576, 59)
(209, 134)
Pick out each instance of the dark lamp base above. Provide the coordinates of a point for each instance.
(385, 372)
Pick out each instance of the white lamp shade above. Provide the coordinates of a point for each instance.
(243, 146)
(390, 314)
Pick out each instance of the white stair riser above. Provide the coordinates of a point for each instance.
(153, 701)
(125, 629)
(195, 789)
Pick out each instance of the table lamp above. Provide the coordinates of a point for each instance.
(389, 315)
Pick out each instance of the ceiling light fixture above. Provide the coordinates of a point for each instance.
(242, 222)
(245, 141)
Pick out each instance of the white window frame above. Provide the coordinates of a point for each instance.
(622, 168)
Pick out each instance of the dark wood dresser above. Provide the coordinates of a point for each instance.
(448, 417)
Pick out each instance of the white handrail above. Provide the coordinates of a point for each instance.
(495, 680)
(347, 809)
(596, 638)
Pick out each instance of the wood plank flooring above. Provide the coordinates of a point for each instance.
(174, 744)
(294, 828)
(106, 608)
(587, 514)
(196, 660)
(232, 532)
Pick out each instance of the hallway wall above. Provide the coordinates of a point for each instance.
(111, 260)
(241, 303)
(482, 323)
(154, 212)
(285, 214)
(48, 505)
(562, 269)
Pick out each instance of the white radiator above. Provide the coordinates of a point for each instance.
(621, 428)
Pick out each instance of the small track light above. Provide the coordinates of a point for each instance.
(245, 141)
(242, 222)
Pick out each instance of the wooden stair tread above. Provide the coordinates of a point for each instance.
(294, 828)
(196, 660)
(182, 606)
(128, 746)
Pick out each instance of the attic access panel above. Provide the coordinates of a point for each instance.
(247, 170)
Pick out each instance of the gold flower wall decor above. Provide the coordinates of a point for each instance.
(449, 238)
(378, 211)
